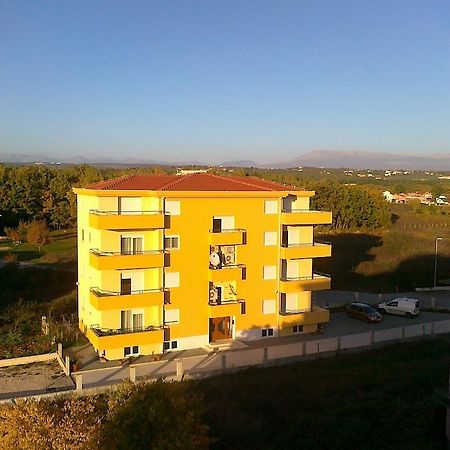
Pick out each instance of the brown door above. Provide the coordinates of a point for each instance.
(217, 225)
(219, 328)
(125, 286)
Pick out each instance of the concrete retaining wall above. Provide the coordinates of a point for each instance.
(27, 359)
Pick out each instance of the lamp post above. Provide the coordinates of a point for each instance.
(435, 259)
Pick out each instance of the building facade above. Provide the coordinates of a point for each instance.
(179, 262)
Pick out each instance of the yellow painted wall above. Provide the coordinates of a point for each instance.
(192, 260)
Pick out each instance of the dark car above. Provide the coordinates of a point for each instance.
(363, 312)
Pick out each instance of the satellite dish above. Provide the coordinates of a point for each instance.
(214, 259)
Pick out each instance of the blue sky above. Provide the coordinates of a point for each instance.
(222, 80)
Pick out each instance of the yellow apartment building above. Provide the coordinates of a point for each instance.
(180, 262)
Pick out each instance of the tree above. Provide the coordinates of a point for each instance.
(144, 416)
(38, 234)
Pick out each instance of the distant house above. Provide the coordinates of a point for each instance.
(425, 197)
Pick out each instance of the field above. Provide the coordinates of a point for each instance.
(383, 398)
(398, 259)
(42, 285)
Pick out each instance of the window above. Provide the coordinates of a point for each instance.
(297, 328)
(131, 351)
(174, 344)
(172, 207)
(393, 303)
(129, 205)
(172, 279)
(268, 306)
(172, 242)
(166, 346)
(265, 332)
(271, 207)
(270, 272)
(270, 238)
(131, 320)
(172, 316)
(130, 245)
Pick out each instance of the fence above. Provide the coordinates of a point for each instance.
(219, 362)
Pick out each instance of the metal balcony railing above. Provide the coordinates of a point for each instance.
(290, 312)
(228, 230)
(101, 332)
(312, 244)
(99, 212)
(98, 252)
(314, 276)
(226, 302)
(105, 293)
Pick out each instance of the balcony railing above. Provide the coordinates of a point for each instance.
(290, 312)
(227, 266)
(101, 332)
(314, 276)
(98, 252)
(105, 293)
(228, 230)
(99, 212)
(312, 244)
(226, 302)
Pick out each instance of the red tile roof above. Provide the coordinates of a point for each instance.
(191, 182)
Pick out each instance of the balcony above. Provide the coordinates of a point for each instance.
(313, 250)
(316, 282)
(226, 308)
(126, 220)
(304, 317)
(109, 338)
(103, 300)
(227, 273)
(227, 237)
(116, 260)
(305, 217)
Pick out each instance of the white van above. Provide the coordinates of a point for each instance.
(403, 306)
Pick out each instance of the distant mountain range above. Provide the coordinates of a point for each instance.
(315, 158)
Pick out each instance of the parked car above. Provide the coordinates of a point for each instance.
(403, 306)
(363, 312)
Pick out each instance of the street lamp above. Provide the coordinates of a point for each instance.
(435, 259)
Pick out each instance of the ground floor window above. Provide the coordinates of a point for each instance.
(297, 328)
(131, 351)
(170, 345)
(267, 332)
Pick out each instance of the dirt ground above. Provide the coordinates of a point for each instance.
(36, 378)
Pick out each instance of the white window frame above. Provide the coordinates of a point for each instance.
(269, 306)
(270, 238)
(171, 237)
(172, 312)
(270, 206)
(269, 272)
(131, 351)
(172, 207)
(172, 283)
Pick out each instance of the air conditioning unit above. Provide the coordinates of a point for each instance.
(213, 295)
(229, 258)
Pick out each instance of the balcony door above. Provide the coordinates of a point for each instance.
(130, 245)
(131, 283)
(130, 205)
(131, 320)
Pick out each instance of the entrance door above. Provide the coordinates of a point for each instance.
(219, 328)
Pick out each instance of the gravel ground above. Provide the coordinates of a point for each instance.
(36, 378)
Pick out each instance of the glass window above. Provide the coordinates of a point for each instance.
(270, 206)
(172, 242)
(270, 238)
(172, 207)
(270, 272)
(172, 316)
(172, 279)
(268, 306)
